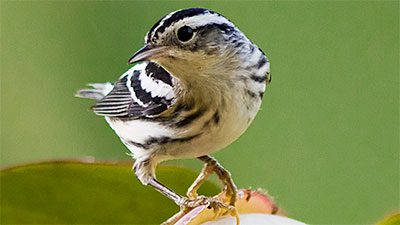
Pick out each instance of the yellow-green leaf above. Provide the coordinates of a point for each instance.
(88, 193)
(393, 219)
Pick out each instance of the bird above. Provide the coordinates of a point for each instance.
(194, 88)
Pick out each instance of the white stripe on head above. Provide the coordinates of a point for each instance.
(202, 20)
(198, 21)
(161, 23)
(193, 17)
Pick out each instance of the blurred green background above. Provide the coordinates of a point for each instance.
(325, 144)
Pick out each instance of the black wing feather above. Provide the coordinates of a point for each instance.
(119, 102)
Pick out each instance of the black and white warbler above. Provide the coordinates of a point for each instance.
(198, 87)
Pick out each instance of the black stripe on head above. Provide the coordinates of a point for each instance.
(227, 29)
(152, 29)
(178, 15)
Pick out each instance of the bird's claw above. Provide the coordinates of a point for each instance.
(210, 202)
(219, 207)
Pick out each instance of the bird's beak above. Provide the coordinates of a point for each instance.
(146, 53)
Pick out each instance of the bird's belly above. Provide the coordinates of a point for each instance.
(209, 142)
(137, 135)
(232, 125)
(145, 138)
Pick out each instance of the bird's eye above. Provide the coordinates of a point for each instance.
(185, 33)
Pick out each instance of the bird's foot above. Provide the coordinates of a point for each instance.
(210, 202)
(187, 204)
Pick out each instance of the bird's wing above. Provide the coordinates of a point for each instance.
(144, 90)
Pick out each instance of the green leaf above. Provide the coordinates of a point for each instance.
(393, 219)
(88, 193)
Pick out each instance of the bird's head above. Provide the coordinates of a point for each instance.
(193, 41)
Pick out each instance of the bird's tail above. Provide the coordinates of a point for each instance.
(97, 92)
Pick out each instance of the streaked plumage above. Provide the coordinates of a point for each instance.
(192, 97)
(143, 91)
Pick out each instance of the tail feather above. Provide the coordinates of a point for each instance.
(97, 92)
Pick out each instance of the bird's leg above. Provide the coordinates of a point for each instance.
(213, 166)
(144, 170)
(204, 174)
(187, 204)
(178, 199)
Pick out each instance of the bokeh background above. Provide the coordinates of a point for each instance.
(325, 144)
